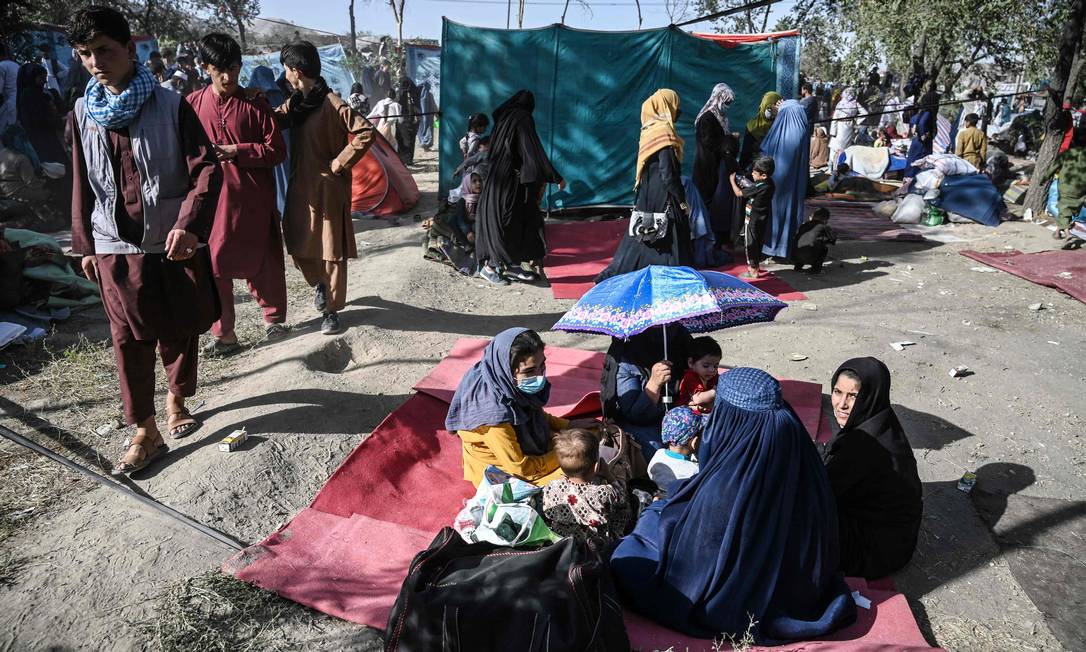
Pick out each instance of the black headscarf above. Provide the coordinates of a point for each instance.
(301, 105)
(642, 350)
(32, 100)
(873, 414)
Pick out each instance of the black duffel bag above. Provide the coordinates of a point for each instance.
(473, 597)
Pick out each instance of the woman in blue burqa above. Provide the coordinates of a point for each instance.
(789, 143)
(752, 537)
(263, 79)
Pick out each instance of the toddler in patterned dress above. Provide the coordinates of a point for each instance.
(589, 502)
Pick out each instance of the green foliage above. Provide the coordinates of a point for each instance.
(751, 21)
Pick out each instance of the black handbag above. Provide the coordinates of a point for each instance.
(473, 597)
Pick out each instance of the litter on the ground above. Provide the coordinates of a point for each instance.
(1036, 306)
(861, 601)
(960, 371)
(966, 483)
(900, 346)
(798, 357)
(230, 443)
(1065, 275)
(807, 305)
(103, 429)
(983, 269)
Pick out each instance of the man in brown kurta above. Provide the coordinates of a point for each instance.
(327, 138)
(972, 144)
(143, 200)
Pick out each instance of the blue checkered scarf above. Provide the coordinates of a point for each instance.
(117, 111)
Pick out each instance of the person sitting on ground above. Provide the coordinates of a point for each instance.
(812, 242)
(681, 434)
(750, 541)
(698, 385)
(477, 125)
(637, 379)
(497, 411)
(872, 471)
(462, 213)
(972, 144)
(18, 178)
(589, 501)
(758, 211)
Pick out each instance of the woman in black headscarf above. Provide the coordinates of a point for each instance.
(408, 100)
(39, 114)
(635, 374)
(873, 473)
(508, 223)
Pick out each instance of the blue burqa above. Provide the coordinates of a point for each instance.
(263, 79)
(702, 238)
(426, 122)
(789, 143)
(753, 535)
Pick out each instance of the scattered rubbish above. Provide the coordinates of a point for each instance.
(103, 429)
(900, 346)
(798, 357)
(1008, 247)
(1065, 275)
(966, 322)
(961, 371)
(909, 267)
(983, 269)
(199, 406)
(920, 332)
(1053, 342)
(1036, 306)
(860, 601)
(230, 443)
(807, 305)
(966, 483)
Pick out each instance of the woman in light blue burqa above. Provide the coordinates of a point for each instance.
(789, 143)
(263, 79)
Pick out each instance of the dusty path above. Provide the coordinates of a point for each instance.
(82, 566)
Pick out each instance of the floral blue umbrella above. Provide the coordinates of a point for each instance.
(628, 304)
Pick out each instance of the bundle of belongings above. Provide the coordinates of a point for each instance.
(950, 188)
(446, 242)
(38, 285)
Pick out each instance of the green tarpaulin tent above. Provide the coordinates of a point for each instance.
(589, 87)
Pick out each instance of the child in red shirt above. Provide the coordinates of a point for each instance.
(698, 386)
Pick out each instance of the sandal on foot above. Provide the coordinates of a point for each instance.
(274, 332)
(136, 456)
(181, 424)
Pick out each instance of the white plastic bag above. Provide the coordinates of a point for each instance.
(910, 210)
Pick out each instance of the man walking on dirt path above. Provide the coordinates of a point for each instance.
(246, 241)
(145, 187)
(317, 218)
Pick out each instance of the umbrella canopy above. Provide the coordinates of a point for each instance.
(628, 304)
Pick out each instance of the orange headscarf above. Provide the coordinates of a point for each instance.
(658, 115)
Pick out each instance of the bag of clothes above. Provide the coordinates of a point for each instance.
(504, 511)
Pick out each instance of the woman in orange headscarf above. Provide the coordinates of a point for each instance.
(659, 232)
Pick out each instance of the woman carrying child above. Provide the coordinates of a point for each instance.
(497, 411)
(637, 377)
(750, 541)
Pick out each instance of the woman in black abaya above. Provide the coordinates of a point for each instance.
(660, 192)
(408, 99)
(508, 222)
(872, 472)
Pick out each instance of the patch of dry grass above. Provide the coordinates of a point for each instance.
(217, 612)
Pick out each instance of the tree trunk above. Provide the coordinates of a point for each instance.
(241, 31)
(1060, 91)
(765, 19)
(354, 34)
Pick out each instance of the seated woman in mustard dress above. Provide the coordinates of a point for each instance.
(498, 411)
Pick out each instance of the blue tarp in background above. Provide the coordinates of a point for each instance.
(333, 67)
(589, 87)
(424, 65)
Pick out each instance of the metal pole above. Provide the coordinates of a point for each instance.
(508, 12)
(149, 502)
(666, 399)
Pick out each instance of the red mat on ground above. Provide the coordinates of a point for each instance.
(855, 221)
(348, 552)
(1063, 270)
(578, 251)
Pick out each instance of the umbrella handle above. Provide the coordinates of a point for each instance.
(666, 399)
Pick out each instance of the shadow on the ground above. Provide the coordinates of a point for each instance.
(394, 315)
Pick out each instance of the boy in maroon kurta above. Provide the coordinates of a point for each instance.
(143, 199)
(246, 241)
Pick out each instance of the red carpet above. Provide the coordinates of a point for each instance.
(1063, 270)
(857, 221)
(348, 552)
(578, 251)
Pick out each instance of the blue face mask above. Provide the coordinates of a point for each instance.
(532, 385)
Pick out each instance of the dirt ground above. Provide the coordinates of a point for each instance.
(82, 567)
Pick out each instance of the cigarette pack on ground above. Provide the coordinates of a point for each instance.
(231, 442)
